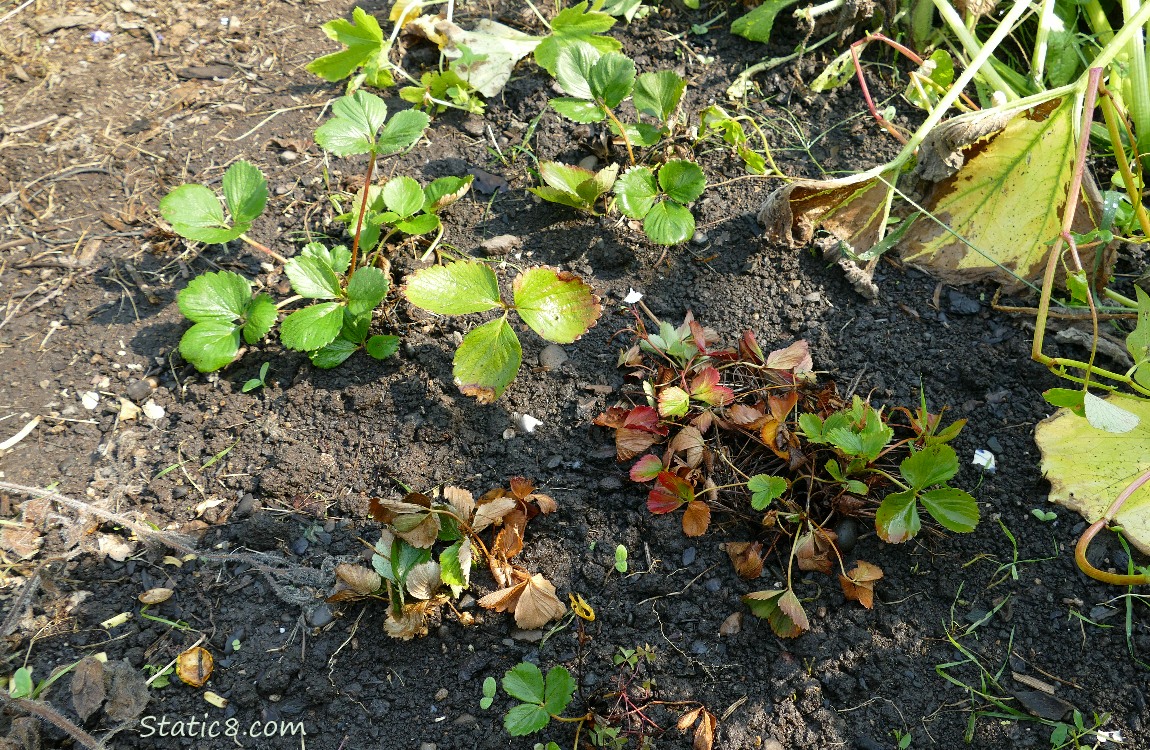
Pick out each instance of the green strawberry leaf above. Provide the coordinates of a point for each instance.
(781, 609)
(195, 213)
(487, 360)
(402, 131)
(558, 305)
(354, 124)
(457, 288)
(524, 682)
(422, 224)
(572, 26)
(443, 192)
(364, 42)
(526, 718)
(668, 223)
(764, 489)
(683, 181)
(337, 258)
(382, 347)
(578, 110)
(636, 191)
(935, 464)
(403, 195)
(673, 402)
(757, 24)
(210, 345)
(366, 289)
(246, 192)
(573, 70)
(219, 296)
(559, 690)
(313, 327)
(261, 316)
(658, 94)
(951, 507)
(896, 519)
(312, 278)
(334, 354)
(611, 78)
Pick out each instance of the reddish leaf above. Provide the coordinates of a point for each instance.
(646, 468)
(615, 417)
(644, 418)
(796, 357)
(749, 349)
(697, 518)
(699, 336)
(669, 493)
(744, 416)
(781, 406)
(702, 423)
(705, 387)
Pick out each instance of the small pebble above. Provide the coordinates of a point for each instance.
(699, 238)
(848, 534)
(713, 585)
(245, 507)
(501, 244)
(589, 162)
(698, 647)
(179, 492)
(441, 694)
(994, 446)
(610, 483)
(287, 157)
(527, 636)
(554, 462)
(139, 390)
(299, 546)
(428, 746)
(552, 357)
(320, 616)
(689, 555)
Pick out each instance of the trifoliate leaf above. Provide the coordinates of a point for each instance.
(220, 296)
(683, 181)
(366, 289)
(382, 347)
(312, 278)
(364, 42)
(764, 489)
(658, 94)
(636, 191)
(401, 131)
(261, 316)
(334, 354)
(573, 71)
(210, 345)
(558, 305)
(337, 258)
(457, 288)
(246, 192)
(354, 124)
(668, 223)
(195, 213)
(312, 327)
(487, 360)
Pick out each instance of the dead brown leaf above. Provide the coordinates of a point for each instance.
(705, 731)
(815, 549)
(688, 444)
(538, 604)
(630, 442)
(747, 557)
(858, 584)
(88, 687)
(696, 518)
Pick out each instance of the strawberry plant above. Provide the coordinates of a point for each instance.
(402, 206)
(557, 305)
(660, 199)
(574, 186)
(737, 428)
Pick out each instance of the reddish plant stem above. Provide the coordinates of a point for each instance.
(866, 94)
(362, 211)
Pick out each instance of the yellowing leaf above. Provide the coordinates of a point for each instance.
(1088, 467)
(999, 180)
(851, 208)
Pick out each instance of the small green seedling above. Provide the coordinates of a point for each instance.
(259, 381)
(557, 305)
(902, 738)
(488, 693)
(621, 559)
(162, 677)
(574, 186)
(439, 90)
(714, 120)
(236, 644)
(661, 202)
(20, 685)
(1046, 516)
(540, 699)
(366, 52)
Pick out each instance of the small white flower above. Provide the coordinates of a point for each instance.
(99, 37)
(985, 459)
(632, 297)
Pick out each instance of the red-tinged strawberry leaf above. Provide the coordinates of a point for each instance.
(781, 609)
(670, 492)
(644, 418)
(697, 518)
(659, 502)
(744, 416)
(705, 387)
(614, 418)
(673, 402)
(699, 335)
(646, 468)
(796, 357)
(749, 348)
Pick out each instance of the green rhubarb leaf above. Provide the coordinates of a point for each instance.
(210, 345)
(334, 354)
(261, 316)
(658, 94)
(402, 131)
(572, 26)
(403, 195)
(312, 278)
(757, 24)
(559, 690)
(366, 289)
(195, 213)
(935, 464)
(953, 508)
(683, 181)
(765, 489)
(220, 296)
(636, 192)
(246, 192)
(313, 327)
(364, 41)
(487, 360)
(896, 519)
(558, 305)
(382, 346)
(457, 288)
(524, 682)
(668, 223)
(611, 79)
(444, 191)
(354, 124)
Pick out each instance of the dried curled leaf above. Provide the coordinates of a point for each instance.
(532, 599)
(815, 549)
(696, 518)
(747, 557)
(358, 578)
(411, 623)
(858, 584)
(88, 687)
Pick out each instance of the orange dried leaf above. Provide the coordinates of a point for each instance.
(504, 600)
(858, 584)
(744, 416)
(687, 720)
(696, 518)
(814, 551)
(521, 487)
(509, 540)
(705, 731)
(546, 503)
(747, 557)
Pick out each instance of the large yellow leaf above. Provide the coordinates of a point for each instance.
(999, 181)
(1088, 467)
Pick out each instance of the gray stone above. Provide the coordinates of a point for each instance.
(552, 357)
(501, 244)
(139, 390)
(320, 616)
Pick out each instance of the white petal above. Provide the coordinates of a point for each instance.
(632, 296)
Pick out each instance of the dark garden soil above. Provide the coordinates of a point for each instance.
(93, 134)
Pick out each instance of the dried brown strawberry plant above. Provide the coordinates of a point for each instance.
(426, 550)
(756, 436)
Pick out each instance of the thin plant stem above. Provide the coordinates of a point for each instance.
(622, 131)
(264, 249)
(362, 211)
(1110, 115)
(1092, 531)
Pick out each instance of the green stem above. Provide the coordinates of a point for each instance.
(1119, 298)
(1088, 535)
(434, 243)
(362, 211)
(1041, 40)
(1136, 90)
(975, 50)
(1096, 19)
(622, 131)
(1133, 192)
